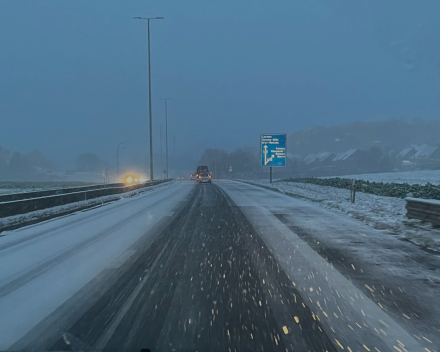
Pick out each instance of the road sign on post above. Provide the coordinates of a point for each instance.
(273, 150)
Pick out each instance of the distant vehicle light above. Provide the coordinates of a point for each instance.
(136, 179)
(129, 179)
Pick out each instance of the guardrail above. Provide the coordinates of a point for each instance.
(23, 206)
(51, 192)
(423, 209)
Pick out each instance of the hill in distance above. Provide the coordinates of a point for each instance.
(388, 135)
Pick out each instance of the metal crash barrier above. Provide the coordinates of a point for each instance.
(23, 206)
(423, 209)
(53, 192)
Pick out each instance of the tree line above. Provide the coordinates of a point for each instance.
(15, 165)
(245, 163)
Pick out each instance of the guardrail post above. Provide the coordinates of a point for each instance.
(353, 191)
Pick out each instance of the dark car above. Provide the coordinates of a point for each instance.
(204, 178)
(203, 175)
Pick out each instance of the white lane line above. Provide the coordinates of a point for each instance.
(105, 338)
(299, 262)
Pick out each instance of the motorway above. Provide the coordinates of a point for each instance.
(218, 267)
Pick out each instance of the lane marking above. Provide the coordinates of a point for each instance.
(282, 242)
(105, 338)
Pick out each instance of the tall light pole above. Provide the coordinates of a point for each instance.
(149, 89)
(215, 161)
(161, 173)
(166, 132)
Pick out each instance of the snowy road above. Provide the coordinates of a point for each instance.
(227, 266)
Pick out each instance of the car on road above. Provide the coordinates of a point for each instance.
(180, 178)
(203, 175)
(131, 179)
(193, 177)
(204, 178)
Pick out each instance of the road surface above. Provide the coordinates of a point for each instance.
(219, 267)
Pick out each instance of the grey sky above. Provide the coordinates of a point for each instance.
(74, 77)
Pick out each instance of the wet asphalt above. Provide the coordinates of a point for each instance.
(206, 283)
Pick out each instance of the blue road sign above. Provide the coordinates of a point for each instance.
(273, 149)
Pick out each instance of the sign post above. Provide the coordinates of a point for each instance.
(273, 150)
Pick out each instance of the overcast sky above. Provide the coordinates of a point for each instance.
(73, 74)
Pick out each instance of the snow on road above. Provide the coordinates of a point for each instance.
(383, 213)
(401, 281)
(44, 265)
(350, 272)
(56, 211)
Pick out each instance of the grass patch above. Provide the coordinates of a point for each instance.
(29, 186)
(397, 190)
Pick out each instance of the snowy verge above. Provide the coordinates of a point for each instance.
(8, 187)
(16, 221)
(383, 213)
(421, 177)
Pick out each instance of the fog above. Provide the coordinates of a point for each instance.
(74, 74)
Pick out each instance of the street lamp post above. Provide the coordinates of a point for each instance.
(215, 161)
(161, 153)
(149, 89)
(166, 133)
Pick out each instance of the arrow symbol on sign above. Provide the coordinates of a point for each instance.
(266, 160)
